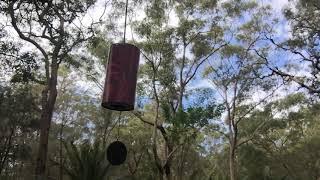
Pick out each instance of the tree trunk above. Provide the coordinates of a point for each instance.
(167, 165)
(6, 150)
(45, 122)
(161, 175)
(180, 107)
(232, 163)
(60, 152)
(184, 151)
(167, 171)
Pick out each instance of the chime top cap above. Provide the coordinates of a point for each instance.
(116, 153)
(125, 44)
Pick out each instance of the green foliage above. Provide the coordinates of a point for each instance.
(194, 116)
(24, 68)
(18, 108)
(284, 144)
(237, 7)
(99, 47)
(303, 18)
(22, 65)
(19, 117)
(86, 161)
(276, 139)
(254, 163)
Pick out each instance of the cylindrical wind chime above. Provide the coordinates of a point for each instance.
(120, 87)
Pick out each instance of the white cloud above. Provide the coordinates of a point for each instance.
(278, 4)
(203, 83)
(173, 19)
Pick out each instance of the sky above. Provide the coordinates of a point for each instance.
(282, 30)
(95, 13)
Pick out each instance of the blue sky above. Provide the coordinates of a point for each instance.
(98, 9)
(282, 32)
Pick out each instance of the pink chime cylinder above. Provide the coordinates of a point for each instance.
(121, 77)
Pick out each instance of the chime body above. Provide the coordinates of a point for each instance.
(116, 153)
(121, 77)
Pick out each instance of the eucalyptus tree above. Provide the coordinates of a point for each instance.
(54, 29)
(19, 106)
(19, 122)
(139, 163)
(286, 147)
(65, 125)
(301, 47)
(77, 117)
(172, 57)
(16, 66)
(236, 73)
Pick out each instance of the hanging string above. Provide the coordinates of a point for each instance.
(119, 125)
(125, 22)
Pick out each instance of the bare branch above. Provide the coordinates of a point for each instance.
(289, 76)
(257, 104)
(201, 62)
(22, 36)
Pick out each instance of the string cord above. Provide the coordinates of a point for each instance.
(119, 125)
(125, 22)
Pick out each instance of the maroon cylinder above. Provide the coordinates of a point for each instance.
(121, 77)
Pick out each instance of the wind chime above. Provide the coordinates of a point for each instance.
(120, 87)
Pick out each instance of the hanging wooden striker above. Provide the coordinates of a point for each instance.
(121, 77)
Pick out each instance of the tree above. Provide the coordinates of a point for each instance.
(52, 28)
(88, 161)
(19, 121)
(78, 117)
(19, 66)
(160, 46)
(301, 46)
(212, 101)
(285, 144)
(139, 161)
(236, 75)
